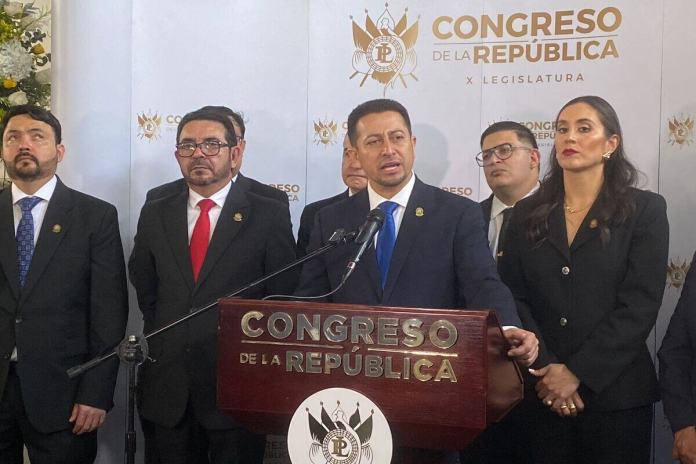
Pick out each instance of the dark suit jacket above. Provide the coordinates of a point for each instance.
(307, 220)
(486, 206)
(678, 358)
(441, 258)
(160, 269)
(593, 306)
(246, 183)
(73, 306)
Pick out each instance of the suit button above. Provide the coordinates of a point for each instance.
(565, 270)
(18, 320)
(563, 322)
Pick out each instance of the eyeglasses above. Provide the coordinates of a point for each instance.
(503, 152)
(208, 148)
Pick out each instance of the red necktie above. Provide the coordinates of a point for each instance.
(200, 237)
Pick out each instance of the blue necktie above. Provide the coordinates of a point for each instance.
(386, 240)
(25, 237)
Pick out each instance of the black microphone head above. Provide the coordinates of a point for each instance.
(376, 215)
(369, 228)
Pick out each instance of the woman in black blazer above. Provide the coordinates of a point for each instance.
(586, 259)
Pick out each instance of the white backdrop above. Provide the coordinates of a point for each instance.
(125, 73)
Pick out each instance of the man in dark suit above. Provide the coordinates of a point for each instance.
(63, 299)
(246, 183)
(354, 178)
(678, 371)
(510, 160)
(437, 257)
(192, 248)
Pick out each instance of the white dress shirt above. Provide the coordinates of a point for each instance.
(193, 211)
(400, 199)
(496, 221)
(39, 211)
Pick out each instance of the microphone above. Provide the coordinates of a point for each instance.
(366, 233)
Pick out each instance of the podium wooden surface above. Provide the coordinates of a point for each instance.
(438, 414)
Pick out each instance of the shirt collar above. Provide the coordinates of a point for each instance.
(498, 206)
(45, 192)
(400, 198)
(218, 197)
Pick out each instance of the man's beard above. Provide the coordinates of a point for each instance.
(26, 173)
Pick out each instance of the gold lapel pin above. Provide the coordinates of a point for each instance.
(593, 224)
(238, 217)
(420, 212)
(56, 228)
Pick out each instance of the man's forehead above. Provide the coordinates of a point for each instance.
(391, 118)
(499, 138)
(203, 125)
(25, 122)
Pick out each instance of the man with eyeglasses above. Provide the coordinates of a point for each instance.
(510, 161)
(191, 248)
(238, 178)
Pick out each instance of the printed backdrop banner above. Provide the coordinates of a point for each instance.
(295, 69)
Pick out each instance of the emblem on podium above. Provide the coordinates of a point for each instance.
(339, 426)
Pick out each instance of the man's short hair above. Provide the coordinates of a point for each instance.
(375, 106)
(230, 113)
(37, 113)
(523, 133)
(209, 115)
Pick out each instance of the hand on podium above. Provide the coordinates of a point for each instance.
(525, 345)
(685, 445)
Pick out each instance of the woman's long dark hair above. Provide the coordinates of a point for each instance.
(614, 203)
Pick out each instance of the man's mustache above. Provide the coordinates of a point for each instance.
(25, 154)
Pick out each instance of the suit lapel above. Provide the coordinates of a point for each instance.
(409, 231)
(486, 207)
(235, 213)
(56, 224)
(8, 250)
(588, 230)
(175, 224)
(558, 236)
(242, 182)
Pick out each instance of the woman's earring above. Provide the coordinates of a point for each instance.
(607, 155)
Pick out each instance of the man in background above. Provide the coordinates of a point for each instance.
(192, 248)
(354, 178)
(510, 160)
(244, 182)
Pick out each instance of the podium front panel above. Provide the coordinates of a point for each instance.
(428, 370)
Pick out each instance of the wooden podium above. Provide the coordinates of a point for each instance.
(439, 376)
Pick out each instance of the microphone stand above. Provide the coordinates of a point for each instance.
(133, 349)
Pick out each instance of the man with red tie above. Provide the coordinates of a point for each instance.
(192, 248)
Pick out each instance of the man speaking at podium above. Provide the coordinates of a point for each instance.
(431, 251)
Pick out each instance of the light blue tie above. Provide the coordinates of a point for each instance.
(386, 240)
(25, 237)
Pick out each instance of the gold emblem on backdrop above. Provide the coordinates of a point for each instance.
(149, 126)
(325, 132)
(676, 272)
(681, 131)
(385, 49)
